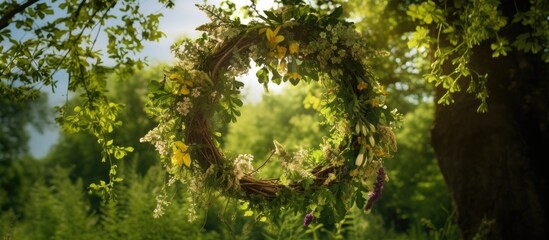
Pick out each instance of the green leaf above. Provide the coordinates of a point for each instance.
(336, 13)
(262, 75)
(361, 198)
(294, 81)
(248, 213)
(119, 154)
(272, 16)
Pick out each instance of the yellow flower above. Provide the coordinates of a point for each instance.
(273, 38)
(180, 86)
(294, 47)
(180, 154)
(280, 52)
(294, 75)
(381, 153)
(282, 67)
(361, 86)
(374, 102)
(382, 90)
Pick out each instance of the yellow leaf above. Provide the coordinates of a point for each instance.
(282, 67)
(189, 83)
(272, 37)
(180, 154)
(175, 77)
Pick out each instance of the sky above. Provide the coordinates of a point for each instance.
(181, 21)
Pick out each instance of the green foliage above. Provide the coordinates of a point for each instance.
(131, 216)
(416, 190)
(37, 37)
(386, 28)
(55, 210)
(15, 120)
(80, 152)
(41, 40)
(536, 40)
(15, 116)
(281, 117)
(415, 200)
(455, 28)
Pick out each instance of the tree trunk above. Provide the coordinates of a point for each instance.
(494, 163)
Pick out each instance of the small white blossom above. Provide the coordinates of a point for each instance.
(161, 148)
(171, 181)
(243, 165)
(331, 177)
(323, 35)
(161, 202)
(185, 106)
(213, 94)
(154, 136)
(253, 52)
(195, 92)
(192, 214)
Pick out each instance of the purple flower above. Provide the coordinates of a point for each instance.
(308, 219)
(374, 195)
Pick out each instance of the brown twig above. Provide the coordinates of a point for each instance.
(262, 165)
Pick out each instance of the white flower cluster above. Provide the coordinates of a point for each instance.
(195, 92)
(196, 194)
(185, 106)
(161, 202)
(154, 136)
(243, 165)
(192, 213)
(254, 52)
(239, 65)
(387, 135)
(231, 33)
(325, 47)
(295, 163)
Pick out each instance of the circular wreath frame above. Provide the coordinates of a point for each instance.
(358, 94)
(199, 133)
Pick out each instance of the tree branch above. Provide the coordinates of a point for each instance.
(5, 20)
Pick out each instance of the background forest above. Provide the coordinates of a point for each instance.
(458, 173)
(47, 197)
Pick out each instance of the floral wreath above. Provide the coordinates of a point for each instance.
(292, 43)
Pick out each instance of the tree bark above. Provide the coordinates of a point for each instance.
(493, 163)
